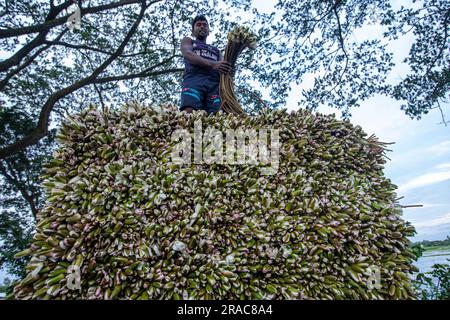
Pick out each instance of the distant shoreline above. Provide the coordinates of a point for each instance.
(433, 245)
(436, 251)
(434, 248)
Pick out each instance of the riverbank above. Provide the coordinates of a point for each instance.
(436, 248)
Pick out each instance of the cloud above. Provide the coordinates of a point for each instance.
(430, 205)
(439, 221)
(433, 233)
(433, 205)
(425, 180)
(440, 148)
(443, 166)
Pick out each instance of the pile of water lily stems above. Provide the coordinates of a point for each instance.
(239, 39)
(129, 223)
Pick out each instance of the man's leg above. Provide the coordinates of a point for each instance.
(214, 101)
(190, 99)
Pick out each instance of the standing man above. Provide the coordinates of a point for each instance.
(203, 65)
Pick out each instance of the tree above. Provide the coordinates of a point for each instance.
(435, 284)
(6, 281)
(316, 37)
(16, 232)
(22, 196)
(428, 83)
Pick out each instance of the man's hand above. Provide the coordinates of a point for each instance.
(223, 66)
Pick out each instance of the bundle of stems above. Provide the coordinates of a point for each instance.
(238, 39)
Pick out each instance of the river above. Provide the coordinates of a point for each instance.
(430, 258)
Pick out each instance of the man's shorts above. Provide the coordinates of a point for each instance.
(201, 93)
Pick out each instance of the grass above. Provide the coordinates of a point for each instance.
(435, 248)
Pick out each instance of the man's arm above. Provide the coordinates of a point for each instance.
(189, 54)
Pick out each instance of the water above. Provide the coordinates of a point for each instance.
(426, 262)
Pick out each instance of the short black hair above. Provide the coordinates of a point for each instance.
(200, 17)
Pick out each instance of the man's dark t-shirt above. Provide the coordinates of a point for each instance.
(206, 51)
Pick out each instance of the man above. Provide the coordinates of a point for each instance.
(203, 65)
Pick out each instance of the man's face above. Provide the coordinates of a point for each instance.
(201, 29)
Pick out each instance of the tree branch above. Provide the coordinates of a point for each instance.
(42, 128)
(81, 47)
(5, 80)
(48, 24)
(6, 9)
(444, 43)
(100, 97)
(174, 44)
(129, 55)
(37, 41)
(74, 46)
(136, 75)
(341, 38)
(44, 29)
(144, 73)
(444, 122)
(341, 42)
